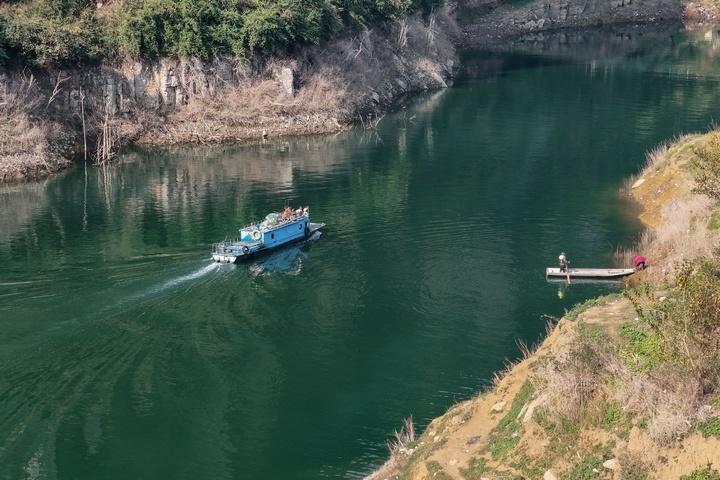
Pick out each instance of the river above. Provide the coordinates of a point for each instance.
(124, 353)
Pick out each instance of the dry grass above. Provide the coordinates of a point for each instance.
(671, 401)
(402, 437)
(502, 373)
(685, 235)
(590, 373)
(337, 84)
(25, 149)
(569, 383)
(678, 217)
(655, 159)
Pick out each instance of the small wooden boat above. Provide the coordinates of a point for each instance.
(589, 273)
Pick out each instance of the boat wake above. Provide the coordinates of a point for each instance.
(186, 278)
(155, 290)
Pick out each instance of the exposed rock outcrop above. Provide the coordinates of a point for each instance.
(319, 89)
(493, 20)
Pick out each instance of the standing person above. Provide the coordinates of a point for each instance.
(562, 259)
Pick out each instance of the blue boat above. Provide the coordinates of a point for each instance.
(275, 231)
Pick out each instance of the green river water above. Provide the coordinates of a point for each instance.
(126, 354)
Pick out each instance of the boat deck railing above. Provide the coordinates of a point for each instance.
(281, 221)
(220, 247)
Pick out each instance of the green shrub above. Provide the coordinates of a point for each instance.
(584, 469)
(44, 32)
(499, 444)
(707, 473)
(151, 28)
(644, 350)
(686, 322)
(612, 414)
(61, 31)
(711, 428)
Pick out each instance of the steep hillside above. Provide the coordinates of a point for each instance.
(55, 109)
(623, 387)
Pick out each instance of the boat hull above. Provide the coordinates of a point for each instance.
(589, 273)
(238, 257)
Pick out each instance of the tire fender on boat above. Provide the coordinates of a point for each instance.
(256, 235)
(245, 250)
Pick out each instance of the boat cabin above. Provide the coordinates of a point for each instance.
(277, 228)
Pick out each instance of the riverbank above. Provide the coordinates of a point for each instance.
(623, 386)
(53, 115)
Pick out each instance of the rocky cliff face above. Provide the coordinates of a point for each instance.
(318, 89)
(488, 21)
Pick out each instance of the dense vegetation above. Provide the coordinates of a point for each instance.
(66, 31)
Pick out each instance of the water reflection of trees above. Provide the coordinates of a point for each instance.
(665, 49)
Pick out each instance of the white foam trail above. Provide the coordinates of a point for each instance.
(169, 284)
(186, 278)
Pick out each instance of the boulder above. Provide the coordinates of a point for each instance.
(286, 77)
(611, 464)
(549, 475)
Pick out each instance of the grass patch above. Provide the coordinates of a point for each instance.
(710, 428)
(499, 445)
(592, 332)
(614, 419)
(562, 434)
(436, 471)
(564, 426)
(580, 308)
(542, 418)
(644, 350)
(506, 434)
(714, 221)
(587, 468)
(530, 468)
(509, 421)
(476, 468)
(612, 415)
(706, 473)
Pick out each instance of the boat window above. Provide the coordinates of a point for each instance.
(272, 235)
(300, 227)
